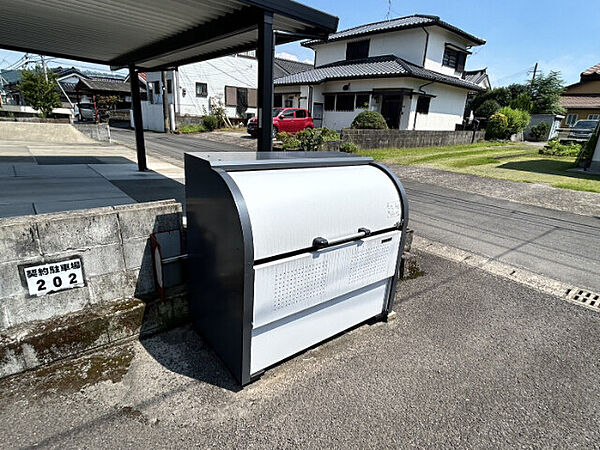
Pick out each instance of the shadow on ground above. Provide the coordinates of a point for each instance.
(550, 166)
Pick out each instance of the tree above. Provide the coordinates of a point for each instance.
(545, 94)
(522, 102)
(486, 109)
(40, 92)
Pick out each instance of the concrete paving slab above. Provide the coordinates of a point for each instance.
(16, 209)
(71, 205)
(7, 170)
(131, 172)
(54, 171)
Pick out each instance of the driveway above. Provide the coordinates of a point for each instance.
(472, 361)
(171, 147)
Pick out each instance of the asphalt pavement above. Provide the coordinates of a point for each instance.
(471, 361)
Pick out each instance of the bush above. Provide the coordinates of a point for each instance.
(539, 132)
(555, 148)
(310, 139)
(487, 108)
(349, 147)
(496, 127)
(289, 141)
(191, 129)
(517, 119)
(329, 135)
(211, 122)
(522, 102)
(369, 120)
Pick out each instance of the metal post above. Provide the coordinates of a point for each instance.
(165, 100)
(266, 50)
(136, 106)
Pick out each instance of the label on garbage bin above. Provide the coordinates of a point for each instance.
(53, 277)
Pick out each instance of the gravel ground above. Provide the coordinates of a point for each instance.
(471, 361)
(586, 203)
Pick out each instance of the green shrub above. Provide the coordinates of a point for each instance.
(517, 120)
(289, 141)
(369, 120)
(349, 147)
(211, 122)
(487, 108)
(310, 140)
(191, 129)
(496, 127)
(539, 132)
(555, 148)
(587, 151)
(329, 135)
(522, 102)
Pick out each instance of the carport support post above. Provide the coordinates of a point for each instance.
(266, 50)
(136, 106)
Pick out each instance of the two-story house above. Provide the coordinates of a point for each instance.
(582, 99)
(410, 69)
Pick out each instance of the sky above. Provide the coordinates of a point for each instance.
(557, 34)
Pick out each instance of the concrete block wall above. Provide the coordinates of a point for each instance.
(112, 242)
(97, 131)
(369, 139)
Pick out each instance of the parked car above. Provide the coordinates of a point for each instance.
(581, 132)
(290, 120)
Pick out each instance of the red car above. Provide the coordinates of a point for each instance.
(290, 120)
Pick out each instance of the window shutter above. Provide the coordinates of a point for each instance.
(252, 98)
(230, 96)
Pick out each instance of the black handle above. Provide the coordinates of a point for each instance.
(321, 242)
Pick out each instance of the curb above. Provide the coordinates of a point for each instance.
(570, 293)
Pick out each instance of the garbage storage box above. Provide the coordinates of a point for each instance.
(287, 249)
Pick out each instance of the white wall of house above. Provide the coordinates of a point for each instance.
(237, 71)
(445, 111)
(438, 38)
(407, 44)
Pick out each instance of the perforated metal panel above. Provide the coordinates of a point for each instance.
(288, 286)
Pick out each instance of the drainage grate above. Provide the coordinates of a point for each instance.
(584, 298)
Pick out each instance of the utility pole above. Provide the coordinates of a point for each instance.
(44, 68)
(165, 101)
(534, 72)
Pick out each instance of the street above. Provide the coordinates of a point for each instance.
(557, 244)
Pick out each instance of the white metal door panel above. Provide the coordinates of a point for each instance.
(275, 342)
(288, 208)
(291, 285)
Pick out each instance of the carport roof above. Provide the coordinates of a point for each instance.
(154, 34)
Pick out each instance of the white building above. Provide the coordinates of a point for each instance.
(409, 69)
(194, 89)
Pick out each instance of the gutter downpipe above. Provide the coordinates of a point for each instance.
(426, 45)
(422, 92)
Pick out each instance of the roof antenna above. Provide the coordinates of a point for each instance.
(389, 11)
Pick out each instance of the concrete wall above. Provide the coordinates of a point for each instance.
(96, 131)
(112, 243)
(42, 132)
(408, 139)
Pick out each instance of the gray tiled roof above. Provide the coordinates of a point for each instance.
(283, 67)
(414, 21)
(388, 66)
(475, 76)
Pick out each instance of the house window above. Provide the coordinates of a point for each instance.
(362, 101)
(329, 102)
(289, 101)
(594, 117)
(278, 101)
(571, 119)
(357, 50)
(423, 105)
(344, 102)
(240, 97)
(201, 90)
(454, 59)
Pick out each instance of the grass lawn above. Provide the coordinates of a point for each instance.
(508, 161)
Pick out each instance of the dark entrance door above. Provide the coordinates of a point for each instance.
(391, 107)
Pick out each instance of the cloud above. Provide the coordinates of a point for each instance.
(288, 56)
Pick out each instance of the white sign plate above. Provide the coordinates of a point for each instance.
(54, 277)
